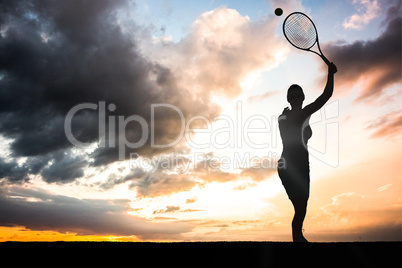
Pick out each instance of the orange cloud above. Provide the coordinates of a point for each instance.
(387, 125)
(85, 217)
(258, 173)
(23, 234)
(167, 210)
(371, 10)
(222, 48)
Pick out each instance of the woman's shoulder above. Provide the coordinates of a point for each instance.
(305, 113)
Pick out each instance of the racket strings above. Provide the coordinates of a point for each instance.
(300, 31)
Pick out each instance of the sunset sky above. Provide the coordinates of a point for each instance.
(197, 86)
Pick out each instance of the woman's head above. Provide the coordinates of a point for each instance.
(295, 95)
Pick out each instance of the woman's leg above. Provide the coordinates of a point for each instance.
(300, 206)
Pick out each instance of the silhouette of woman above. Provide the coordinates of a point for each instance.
(293, 167)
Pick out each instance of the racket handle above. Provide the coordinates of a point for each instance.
(325, 59)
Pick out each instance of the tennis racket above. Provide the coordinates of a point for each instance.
(301, 32)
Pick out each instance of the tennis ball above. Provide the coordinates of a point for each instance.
(278, 11)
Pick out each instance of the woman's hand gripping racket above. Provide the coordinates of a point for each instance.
(301, 32)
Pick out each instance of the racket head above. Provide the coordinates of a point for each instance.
(300, 31)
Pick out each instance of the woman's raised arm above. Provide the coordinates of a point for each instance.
(324, 97)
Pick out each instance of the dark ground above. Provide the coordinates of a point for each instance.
(209, 254)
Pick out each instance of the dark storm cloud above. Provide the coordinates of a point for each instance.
(59, 167)
(42, 211)
(162, 175)
(376, 63)
(64, 168)
(114, 179)
(12, 171)
(160, 183)
(57, 54)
